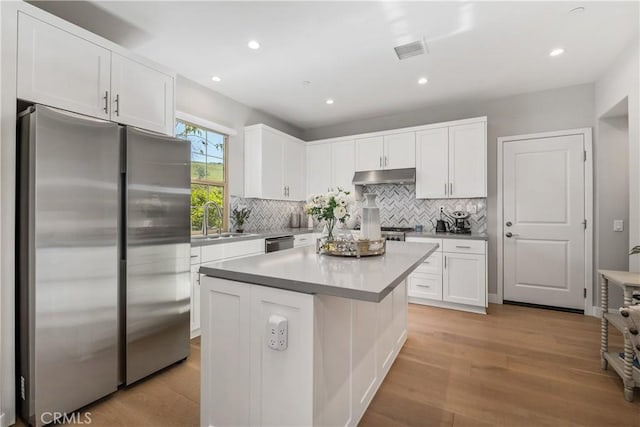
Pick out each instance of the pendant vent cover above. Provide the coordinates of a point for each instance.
(408, 50)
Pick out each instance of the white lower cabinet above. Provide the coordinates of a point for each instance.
(339, 352)
(463, 281)
(453, 277)
(211, 253)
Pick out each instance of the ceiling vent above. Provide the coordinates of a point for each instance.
(408, 50)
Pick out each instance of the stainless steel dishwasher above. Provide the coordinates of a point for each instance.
(274, 244)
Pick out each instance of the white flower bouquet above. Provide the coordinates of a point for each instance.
(331, 207)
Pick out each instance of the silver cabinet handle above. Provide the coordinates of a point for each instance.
(386, 161)
(106, 101)
(445, 189)
(451, 188)
(463, 247)
(380, 161)
(423, 286)
(445, 262)
(194, 256)
(117, 105)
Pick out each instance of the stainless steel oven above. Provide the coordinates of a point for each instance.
(274, 244)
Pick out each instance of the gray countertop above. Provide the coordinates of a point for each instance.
(302, 270)
(434, 235)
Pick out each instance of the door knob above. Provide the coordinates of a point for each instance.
(510, 234)
(509, 224)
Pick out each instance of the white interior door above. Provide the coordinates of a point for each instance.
(543, 231)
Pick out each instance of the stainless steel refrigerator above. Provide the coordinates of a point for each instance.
(103, 258)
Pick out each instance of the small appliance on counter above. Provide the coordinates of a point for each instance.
(460, 222)
(295, 220)
(441, 225)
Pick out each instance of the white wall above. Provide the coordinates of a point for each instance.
(558, 109)
(203, 102)
(619, 81)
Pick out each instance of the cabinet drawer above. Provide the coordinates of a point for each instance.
(303, 240)
(232, 250)
(431, 265)
(464, 246)
(426, 240)
(425, 286)
(195, 255)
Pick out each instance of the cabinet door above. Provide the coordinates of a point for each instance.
(400, 151)
(195, 300)
(343, 164)
(468, 160)
(464, 280)
(318, 168)
(61, 70)
(272, 166)
(369, 153)
(294, 167)
(141, 96)
(432, 154)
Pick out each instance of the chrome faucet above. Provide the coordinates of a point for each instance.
(205, 220)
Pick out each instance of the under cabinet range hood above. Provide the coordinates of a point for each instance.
(387, 176)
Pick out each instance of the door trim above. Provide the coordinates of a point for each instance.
(588, 208)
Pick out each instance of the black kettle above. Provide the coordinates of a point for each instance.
(441, 226)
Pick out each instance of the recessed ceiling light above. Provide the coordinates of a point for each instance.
(253, 45)
(556, 52)
(216, 79)
(329, 101)
(422, 81)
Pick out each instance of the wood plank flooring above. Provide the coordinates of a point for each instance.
(516, 366)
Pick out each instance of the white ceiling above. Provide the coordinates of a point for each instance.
(477, 50)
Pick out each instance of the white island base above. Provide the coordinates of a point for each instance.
(339, 351)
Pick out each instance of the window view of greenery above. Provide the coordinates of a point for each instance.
(207, 175)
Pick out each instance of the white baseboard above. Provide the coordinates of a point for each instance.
(494, 299)
(597, 311)
(445, 304)
(2, 422)
(195, 333)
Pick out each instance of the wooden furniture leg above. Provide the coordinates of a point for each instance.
(628, 353)
(604, 324)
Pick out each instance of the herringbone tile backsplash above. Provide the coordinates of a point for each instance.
(266, 214)
(398, 208)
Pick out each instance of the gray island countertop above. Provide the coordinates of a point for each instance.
(302, 270)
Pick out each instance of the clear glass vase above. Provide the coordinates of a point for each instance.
(370, 218)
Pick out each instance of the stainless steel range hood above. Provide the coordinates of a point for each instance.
(388, 176)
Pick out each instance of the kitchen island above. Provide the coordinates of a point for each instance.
(346, 320)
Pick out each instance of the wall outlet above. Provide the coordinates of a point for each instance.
(442, 208)
(618, 225)
(277, 332)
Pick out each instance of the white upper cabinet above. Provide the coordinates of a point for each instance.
(396, 151)
(59, 69)
(319, 162)
(432, 163)
(294, 162)
(274, 164)
(141, 96)
(343, 164)
(468, 160)
(370, 153)
(400, 151)
(451, 162)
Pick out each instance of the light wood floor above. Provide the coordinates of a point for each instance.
(515, 367)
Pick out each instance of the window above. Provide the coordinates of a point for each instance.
(208, 175)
